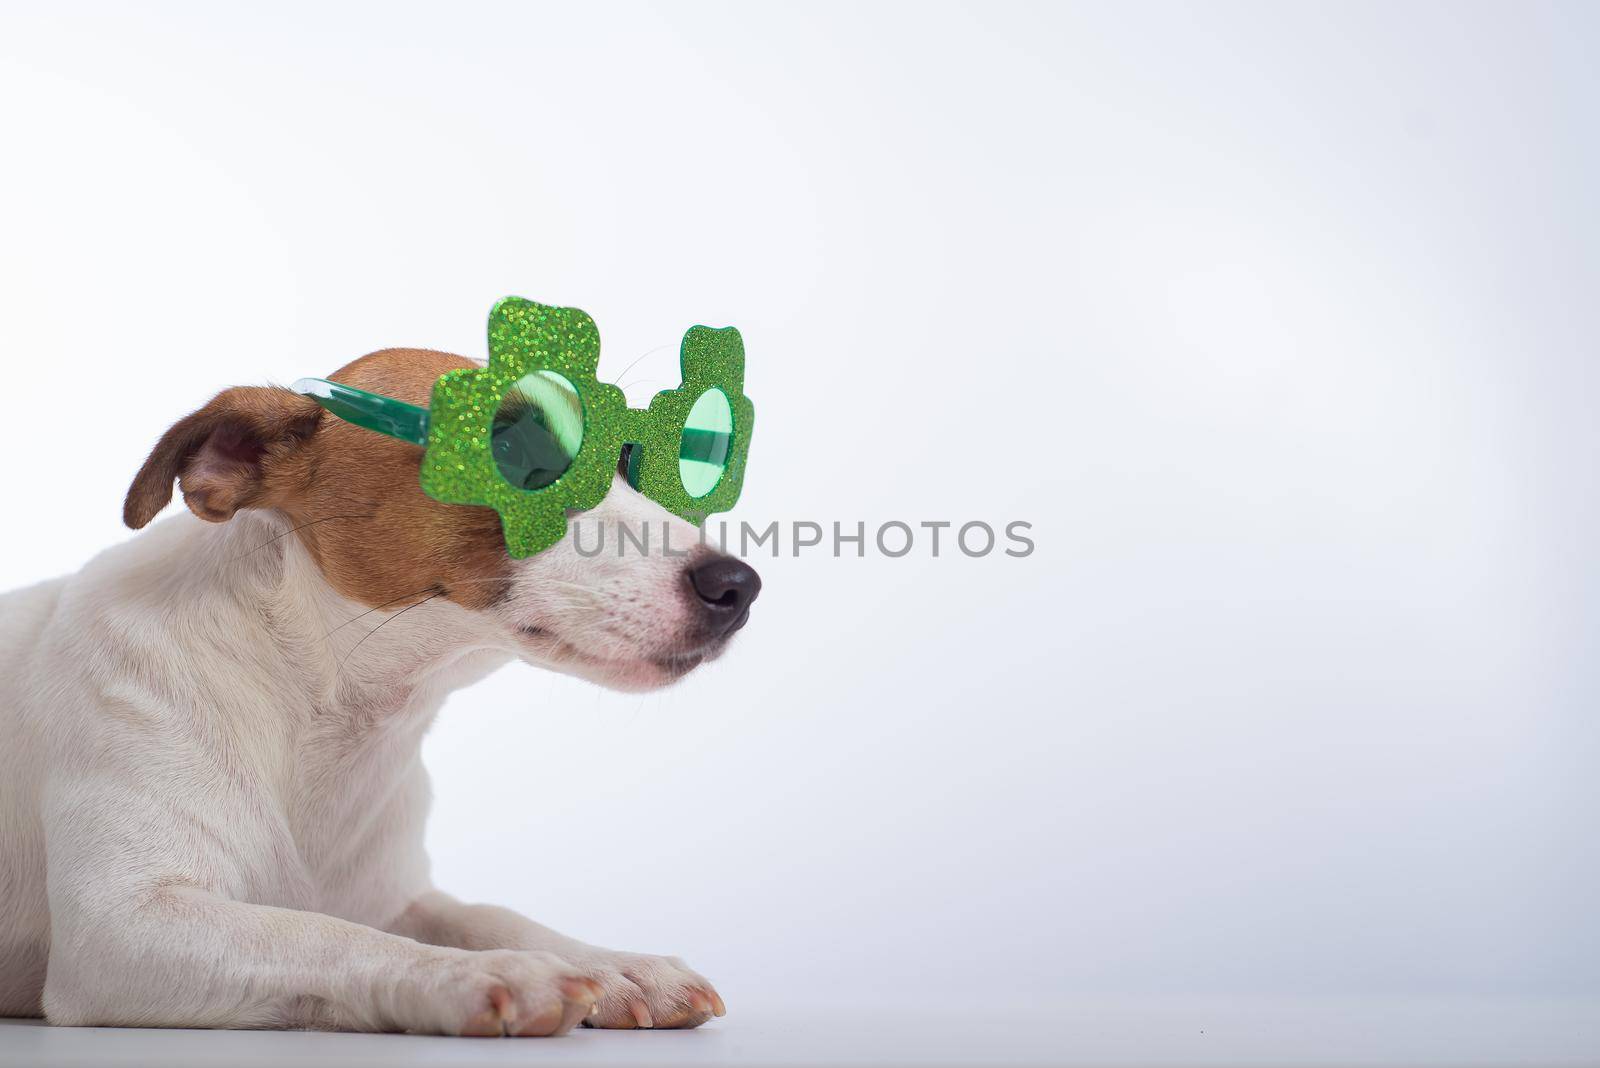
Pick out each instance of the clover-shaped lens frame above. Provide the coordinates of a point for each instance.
(525, 337)
(709, 359)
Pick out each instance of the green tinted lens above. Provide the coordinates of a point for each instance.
(537, 430)
(703, 453)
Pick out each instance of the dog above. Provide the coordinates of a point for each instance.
(211, 793)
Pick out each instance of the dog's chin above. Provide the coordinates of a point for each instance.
(638, 674)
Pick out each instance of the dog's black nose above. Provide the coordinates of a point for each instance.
(726, 587)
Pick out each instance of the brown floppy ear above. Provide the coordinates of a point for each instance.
(223, 454)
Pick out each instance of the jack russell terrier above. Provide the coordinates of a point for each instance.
(211, 791)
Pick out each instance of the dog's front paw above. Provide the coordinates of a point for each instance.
(641, 990)
(494, 993)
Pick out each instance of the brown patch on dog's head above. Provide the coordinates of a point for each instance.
(352, 494)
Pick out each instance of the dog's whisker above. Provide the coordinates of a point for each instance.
(637, 360)
(291, 530)
(380, 626)
(379, 608)
(588, 591)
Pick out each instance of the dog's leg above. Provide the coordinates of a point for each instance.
(182, 957)
(143, 933)
(638, 989)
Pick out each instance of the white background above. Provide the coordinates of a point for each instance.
(1276, 321)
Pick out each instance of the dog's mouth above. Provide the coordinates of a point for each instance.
(678, 665)
(647, 671)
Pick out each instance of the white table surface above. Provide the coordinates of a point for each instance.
(1245, 1031)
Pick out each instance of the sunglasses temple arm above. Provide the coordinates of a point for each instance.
(707, 446)
(373, 411)
(408, 422)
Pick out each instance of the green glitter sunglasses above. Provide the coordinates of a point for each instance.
(535, 434)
